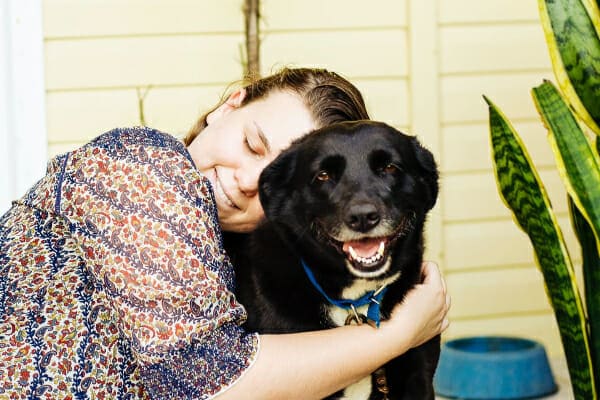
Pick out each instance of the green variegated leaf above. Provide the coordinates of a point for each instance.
(571, 30)
(591, 280)
(577, 161)
(522, 191)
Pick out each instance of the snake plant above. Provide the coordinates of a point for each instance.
(571, 114)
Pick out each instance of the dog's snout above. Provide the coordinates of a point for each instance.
(362, 217)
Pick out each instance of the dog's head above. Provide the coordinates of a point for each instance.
(355, 188)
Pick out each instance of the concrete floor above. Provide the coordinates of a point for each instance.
(561, 376)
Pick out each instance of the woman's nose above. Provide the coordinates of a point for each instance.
(247, 178)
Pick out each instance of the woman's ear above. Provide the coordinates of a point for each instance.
(234, 101)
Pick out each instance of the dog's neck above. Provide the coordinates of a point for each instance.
(371, 298)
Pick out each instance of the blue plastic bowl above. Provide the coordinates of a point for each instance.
(491, 367)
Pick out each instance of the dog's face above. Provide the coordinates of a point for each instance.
(355, 188)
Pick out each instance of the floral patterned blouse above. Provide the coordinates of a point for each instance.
(113, 279)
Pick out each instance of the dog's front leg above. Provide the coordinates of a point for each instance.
(410, 376)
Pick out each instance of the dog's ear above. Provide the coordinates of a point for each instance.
(429, 173)
(274, 182)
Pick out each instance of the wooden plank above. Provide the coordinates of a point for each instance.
(331, 14)
(75, 18)
(434, 235)
(175, 110)
(496, 292)
(172, 110)
(141, 61)
(386, 99)
(81, 116)
(492, 48)
(355, 54)
(493, 243)
(461, 96)
(477, 11)
(467, 147)
(540, 327)
(474, 196)
(424, 112)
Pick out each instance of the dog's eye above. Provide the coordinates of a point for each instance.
(390, 168)
(323, 176)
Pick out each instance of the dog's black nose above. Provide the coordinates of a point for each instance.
(362, 217)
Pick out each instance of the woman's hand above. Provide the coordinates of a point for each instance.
(423, 312)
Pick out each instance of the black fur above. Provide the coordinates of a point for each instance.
(350, 178)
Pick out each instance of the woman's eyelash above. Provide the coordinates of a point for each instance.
(249, 146)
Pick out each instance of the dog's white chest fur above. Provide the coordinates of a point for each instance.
(361, 389)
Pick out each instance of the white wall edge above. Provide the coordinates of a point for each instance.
(23, 136)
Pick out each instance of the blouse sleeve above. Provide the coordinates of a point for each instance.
(151, 240)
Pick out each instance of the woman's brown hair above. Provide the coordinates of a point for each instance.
(328, 97)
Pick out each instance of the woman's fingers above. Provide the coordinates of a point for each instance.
(431, 273)
(445, 324)
(433, 277)
(446, 321)
(443, 282)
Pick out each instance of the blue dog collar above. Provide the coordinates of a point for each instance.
(372, 298)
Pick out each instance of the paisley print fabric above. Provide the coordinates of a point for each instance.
(113, 279)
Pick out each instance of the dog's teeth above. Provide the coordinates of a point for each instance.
(368, 260)
(353, 253)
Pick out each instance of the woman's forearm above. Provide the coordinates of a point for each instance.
(312, 365)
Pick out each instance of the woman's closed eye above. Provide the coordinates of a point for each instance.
(254, 145)
(250, 146)
(255, 141)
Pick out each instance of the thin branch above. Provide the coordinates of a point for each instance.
(141, 97)
(252, 16)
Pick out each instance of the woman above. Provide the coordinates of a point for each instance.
(114, 282)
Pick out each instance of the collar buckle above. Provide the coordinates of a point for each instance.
(355, 317)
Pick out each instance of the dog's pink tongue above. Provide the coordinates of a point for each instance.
(363, 248)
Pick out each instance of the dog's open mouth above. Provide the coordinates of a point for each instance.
(367, 254)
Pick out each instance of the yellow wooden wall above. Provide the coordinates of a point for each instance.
(422, 65)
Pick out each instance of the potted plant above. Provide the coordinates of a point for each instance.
(571, 114)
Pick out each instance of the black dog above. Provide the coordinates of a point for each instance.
(345, 208)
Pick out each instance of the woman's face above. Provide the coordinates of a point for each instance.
(238, 143)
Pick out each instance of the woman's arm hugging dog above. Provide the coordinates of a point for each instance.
(345, 209)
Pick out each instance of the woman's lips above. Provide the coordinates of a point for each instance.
(221, 192)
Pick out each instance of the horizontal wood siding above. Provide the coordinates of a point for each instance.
(75, 19)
